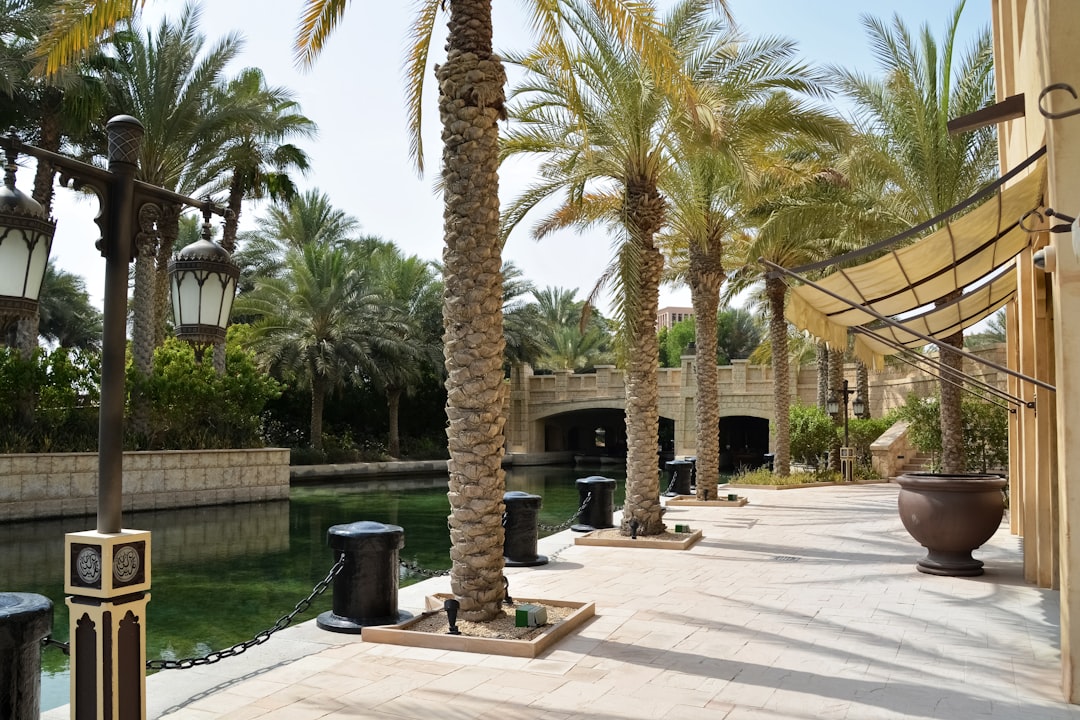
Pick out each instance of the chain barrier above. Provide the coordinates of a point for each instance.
(283, 622)
(61, 646)
(562, 526)
(671, 485)
(422, 572)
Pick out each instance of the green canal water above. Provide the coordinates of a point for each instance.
(222, 574)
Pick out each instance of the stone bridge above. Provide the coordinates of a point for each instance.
(585, 413)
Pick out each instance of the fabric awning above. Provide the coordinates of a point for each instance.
(873, 342)
(966, 250)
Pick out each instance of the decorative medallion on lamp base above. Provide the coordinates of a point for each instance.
(107, 576)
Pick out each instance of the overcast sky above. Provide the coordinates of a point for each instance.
(355, 94)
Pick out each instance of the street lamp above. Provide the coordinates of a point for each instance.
(106, 570)
(203, 280)
(847, 453)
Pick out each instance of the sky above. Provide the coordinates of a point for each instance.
(355, 93)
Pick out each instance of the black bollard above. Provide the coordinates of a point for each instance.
(693, 472)
(366, 589)
(520, 531)
(597, 514)
(25, 620)
(680, 478)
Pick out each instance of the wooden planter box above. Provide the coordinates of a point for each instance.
(402, 635)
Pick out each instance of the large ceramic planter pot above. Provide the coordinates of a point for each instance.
(950, 515)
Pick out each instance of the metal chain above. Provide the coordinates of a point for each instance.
(283, 622)
(422, 572)
(61, 646)
(674, 476)
(568, 523)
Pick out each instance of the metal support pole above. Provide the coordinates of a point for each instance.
(125, 137)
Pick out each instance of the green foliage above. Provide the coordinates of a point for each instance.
(986, 430)
(64, 387)
(679, 336)
(862, 433)
(194, 407)
(923, 416)
(764, 476)
(737, 335)
(986, 435)
(812, 433)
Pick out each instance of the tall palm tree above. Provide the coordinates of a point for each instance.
(321, 323)
(44, 109)
(471, 96)
(744, 81)
(169, 78)
(413, 294)
(906, 111)
(257, 156)
(605, 126)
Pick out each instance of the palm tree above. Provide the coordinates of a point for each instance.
(744, 81)
(169, 79)
(471, 96)
(573, 337)
(257, 156)
(68, 318)
(45, 110)
(412, 294)
(521, 320)
(321, 323)
(905, 113)
(605, 126)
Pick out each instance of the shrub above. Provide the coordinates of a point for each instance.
(192, 407)
(986, 430)
(812, 433)
(62, 386)
(862, 433)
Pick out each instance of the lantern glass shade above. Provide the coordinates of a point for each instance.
(25, 241)
(833, 405)
(858, 406)
(203, 281)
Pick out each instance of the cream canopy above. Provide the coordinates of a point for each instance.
(965, 252)
(875, 341)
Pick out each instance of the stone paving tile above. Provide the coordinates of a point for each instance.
(803, 604)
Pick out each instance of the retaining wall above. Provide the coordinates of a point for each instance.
(65, 484)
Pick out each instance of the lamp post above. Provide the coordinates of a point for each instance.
(847, 453)
(106, 570)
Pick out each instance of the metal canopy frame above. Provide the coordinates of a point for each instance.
(897, 324)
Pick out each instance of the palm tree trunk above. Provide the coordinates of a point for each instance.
(142, 330)
(706, 279)
(471, 97)
(836, 386)
(862, 385)
(393, 403)
(169, 226)
(228, 242)
(27, 328)
(775, 291)
(822, 375)
(645, 216)
(952, 419)
(318, 402)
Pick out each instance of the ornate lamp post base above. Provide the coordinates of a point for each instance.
(107, 576)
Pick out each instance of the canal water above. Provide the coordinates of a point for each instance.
(221, 574)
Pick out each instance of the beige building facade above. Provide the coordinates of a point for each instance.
(1035, 44)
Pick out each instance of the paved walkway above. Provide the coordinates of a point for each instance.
(802, 604)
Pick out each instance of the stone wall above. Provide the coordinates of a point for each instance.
(65, 484)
